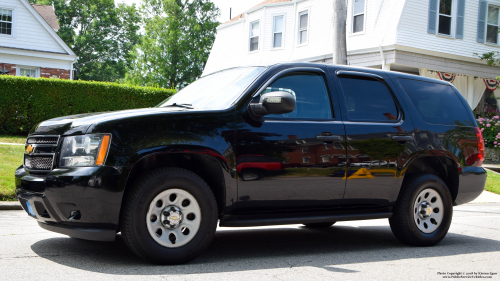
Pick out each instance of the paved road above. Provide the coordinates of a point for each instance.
(364, 250)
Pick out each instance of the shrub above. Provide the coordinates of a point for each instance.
(491, 131)
(24, 102)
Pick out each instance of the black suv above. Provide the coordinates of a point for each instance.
(289, 143)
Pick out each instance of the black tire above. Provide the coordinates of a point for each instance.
(319, 224)
(135, 207)
(403, 223)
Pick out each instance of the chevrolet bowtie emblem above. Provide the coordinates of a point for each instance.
(174, 217)
(29, 149)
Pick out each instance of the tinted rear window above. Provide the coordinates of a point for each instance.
(437, 103)
(368, 100)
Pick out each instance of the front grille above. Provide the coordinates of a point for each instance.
(38, 162)
(42, 140)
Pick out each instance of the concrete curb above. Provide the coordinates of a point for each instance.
(10, 205)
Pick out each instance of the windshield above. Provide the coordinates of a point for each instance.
(215, 91)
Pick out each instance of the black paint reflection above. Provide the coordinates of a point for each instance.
(282, 166)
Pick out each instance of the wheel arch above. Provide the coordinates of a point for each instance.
(208, 164)
(442, 166)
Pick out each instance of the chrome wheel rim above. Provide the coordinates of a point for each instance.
(173, 218)
(428, 210)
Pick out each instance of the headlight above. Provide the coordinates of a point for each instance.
(86, 150)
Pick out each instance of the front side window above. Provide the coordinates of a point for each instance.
(368, 100)
(445, 18)
(278, 32)
(28, 72)
(492, 25)
(303, 24)
(254, 36)
(358, 16)
(5, 21)
(310, 92)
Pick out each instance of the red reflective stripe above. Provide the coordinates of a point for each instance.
(259, 165)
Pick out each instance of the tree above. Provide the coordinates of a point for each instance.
(100, 33)
(177, 41)
(491, 58)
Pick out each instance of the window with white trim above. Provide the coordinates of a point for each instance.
(358, 20)
(492, 25)
(303, 26)
(254, 36)
(278, 28)
(445, 17)
(28, 72)
(5, 21)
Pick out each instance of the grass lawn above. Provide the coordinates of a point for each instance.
(11, 157)
(493, 182)
(13, 139)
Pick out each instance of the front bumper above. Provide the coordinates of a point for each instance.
(472, 181)
(80, 202)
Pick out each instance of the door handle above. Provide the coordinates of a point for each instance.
(402, 138)
(328, 138)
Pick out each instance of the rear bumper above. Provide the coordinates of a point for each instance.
(93, 193)
(471, 184)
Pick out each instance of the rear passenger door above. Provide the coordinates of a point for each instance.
(378, 134)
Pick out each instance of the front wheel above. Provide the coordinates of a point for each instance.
(169, 216)
(422, 215)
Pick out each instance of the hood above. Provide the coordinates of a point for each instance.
(80, 123)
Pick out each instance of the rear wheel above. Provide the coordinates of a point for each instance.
(169, 216)
(319, 225)
(423, 212)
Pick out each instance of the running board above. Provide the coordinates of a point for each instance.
(263, 220)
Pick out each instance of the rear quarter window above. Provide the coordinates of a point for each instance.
(437, 103)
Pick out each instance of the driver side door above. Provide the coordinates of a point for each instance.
(293, 161)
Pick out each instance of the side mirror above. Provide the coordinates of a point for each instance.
(273, 103)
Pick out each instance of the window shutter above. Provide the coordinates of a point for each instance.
(481, 20)
(459, 34)
(433, 8)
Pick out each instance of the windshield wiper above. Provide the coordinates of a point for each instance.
(185, 105)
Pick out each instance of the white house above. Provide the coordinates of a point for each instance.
(434, 38)
(29, 44)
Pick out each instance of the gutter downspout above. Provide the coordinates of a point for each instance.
(384, 65)
(71, 71)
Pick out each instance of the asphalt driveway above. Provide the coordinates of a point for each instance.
(363, 250)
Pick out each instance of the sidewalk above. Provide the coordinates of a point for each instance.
(486, 197)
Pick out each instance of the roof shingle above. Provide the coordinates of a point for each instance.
(48, 14)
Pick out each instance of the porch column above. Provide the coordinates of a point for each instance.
(470, 90)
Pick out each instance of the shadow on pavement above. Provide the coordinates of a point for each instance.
(253, 249)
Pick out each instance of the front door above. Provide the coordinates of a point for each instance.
(293, 161)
